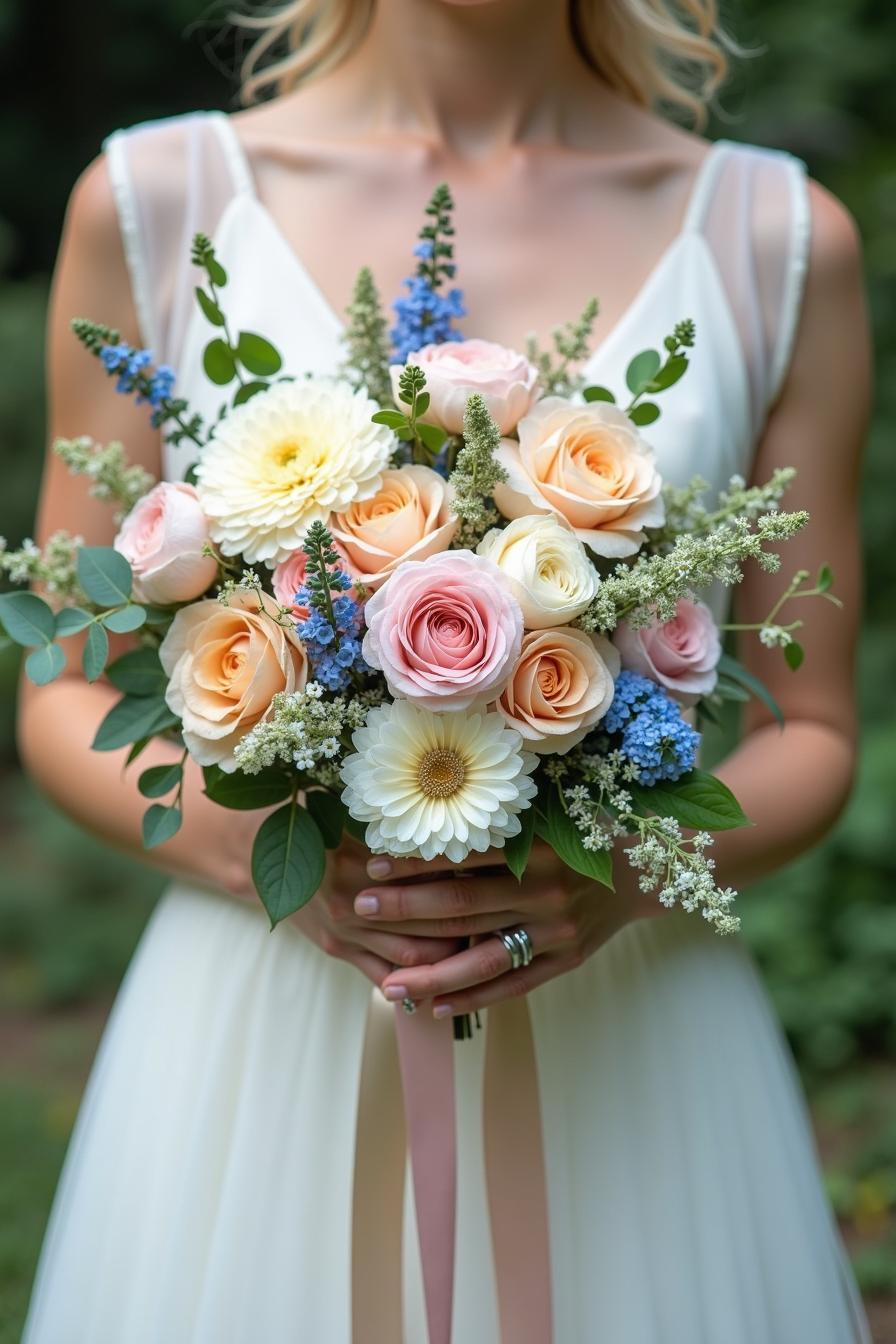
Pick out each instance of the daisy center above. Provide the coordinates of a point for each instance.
(441, 772)
(299, 457)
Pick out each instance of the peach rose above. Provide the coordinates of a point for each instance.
(289, 577)
(162, 540)
(589, 464)
(681, 654)
(562, 685)
(225, 664)
(505, 380)
(409, 518)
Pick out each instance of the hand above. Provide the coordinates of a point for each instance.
(566, 916)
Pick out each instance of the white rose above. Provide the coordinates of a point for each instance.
(547, 567)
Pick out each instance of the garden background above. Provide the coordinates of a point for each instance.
(820, 84)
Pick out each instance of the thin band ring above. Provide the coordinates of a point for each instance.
(519, 947)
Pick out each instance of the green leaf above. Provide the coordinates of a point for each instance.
(124, 619)
(138, 673)
(288, 861)
(209, 308)
(669, 374)
(159, 824)
(248, 391)
(258, 355)
(245, 792)
(737, 672)
(394, 419)
(644, 413)
(794, 654)
(160, 779)
(518, 848)
(27, 618)
(356, 829)
(136, 749)
(131, 718)
(218, 362)
(597, 393)
(158, 615)
(642, 370)
(328, 813)
(825, 578)
(96, 651)
(216, 272)
(104, 575)
(421, 405)
(44, 664)
(698, 801)
(431, 436)
(732, 690)
(71, 620)
(554, 826)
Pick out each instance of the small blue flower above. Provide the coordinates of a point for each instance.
(653, 733)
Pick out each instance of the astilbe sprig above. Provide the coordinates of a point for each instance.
(476, 473)
(54, 566)
(366, 362)
(112, 478)
(570, 346)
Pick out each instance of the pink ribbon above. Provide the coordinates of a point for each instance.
(426, 1058)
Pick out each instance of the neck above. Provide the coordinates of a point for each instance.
(477, 78)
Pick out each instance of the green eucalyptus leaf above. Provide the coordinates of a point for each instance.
(731, 667)
(138, 673)
(673, 369)
(104, 575)
(216, 272)
(394, 419)
(642, 370)
(248, 391)
(825, 578)
(258, 355)
(555, 827)
(328, 813)
(431, 436)
(131, 718)
(124, 619)
(597, 393)
(43, 665)
(245, 792)
(140, 745)
(729, 689)
(160, 823)
(518, 848)
(210, 309)
(794, 654)
(421, 405)
(219, 363)
(27, 619)
(160, 779)
(71, 620)
(644, 413)
(288, 861)
(698, 801)
(96, 651)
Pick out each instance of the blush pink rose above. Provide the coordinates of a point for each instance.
(506, 381)
(445, 634)
(682, 654)
(562, 685)
(409, 518)
(590, 465)
(162, 540)
(289, 576)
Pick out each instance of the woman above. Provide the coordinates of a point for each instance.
(237, 1169)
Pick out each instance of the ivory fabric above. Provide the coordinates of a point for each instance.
(210, 1193)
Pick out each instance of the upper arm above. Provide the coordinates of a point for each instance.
(90, 280)
(818, 426)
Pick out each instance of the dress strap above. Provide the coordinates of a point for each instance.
(124, 195)
(235, 155)
(704, 187)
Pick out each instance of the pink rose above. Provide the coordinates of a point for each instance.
(681, 654)
(454, 369)
(561, 687)
(409, 518)
(162, 540)
(289, 576)
(590, 465)
(445, 634)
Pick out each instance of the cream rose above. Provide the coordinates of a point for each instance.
(547, 567)
(562, 685)
(506, 381)
(409, 518)
(225, 664)
(590, 465)
(162, 540)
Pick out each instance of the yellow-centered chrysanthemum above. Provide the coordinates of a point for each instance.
(293, 454)
(428, 784)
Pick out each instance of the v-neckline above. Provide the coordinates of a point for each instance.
(247, 193)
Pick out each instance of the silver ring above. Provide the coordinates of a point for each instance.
(519, 947)
(409, 1006)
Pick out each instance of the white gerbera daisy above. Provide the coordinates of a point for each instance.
(295, 453)
(430, 784)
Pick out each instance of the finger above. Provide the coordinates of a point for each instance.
(463, 926)
(373, 967)
(449, 898)
(402, 951)
(486, 961)
(382, 867)
(509, 986)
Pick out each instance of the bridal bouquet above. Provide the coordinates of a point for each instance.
(442, 600)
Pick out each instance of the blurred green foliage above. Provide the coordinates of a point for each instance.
(819, 83)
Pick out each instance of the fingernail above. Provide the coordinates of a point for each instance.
(379, 867)
(366, 905)
(394, 993)
(442, 1010)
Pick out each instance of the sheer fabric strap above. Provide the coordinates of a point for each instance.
(171, 178)
(752, 207)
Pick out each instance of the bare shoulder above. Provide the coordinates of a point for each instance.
(836, 248)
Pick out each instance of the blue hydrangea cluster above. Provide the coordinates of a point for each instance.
(133, 377)
(424, 315)
(334, 652)
(653, 733)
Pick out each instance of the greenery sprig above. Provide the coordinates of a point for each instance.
(571, 344)
(426, 440)
(476, 473)
(228, 358)
(366, 340)
(648, 374)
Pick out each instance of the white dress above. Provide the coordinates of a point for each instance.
(233, 1178)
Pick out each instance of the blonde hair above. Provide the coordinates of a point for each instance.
(666, 54)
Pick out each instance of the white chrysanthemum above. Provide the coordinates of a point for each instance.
(430, 784)
(295, 453)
